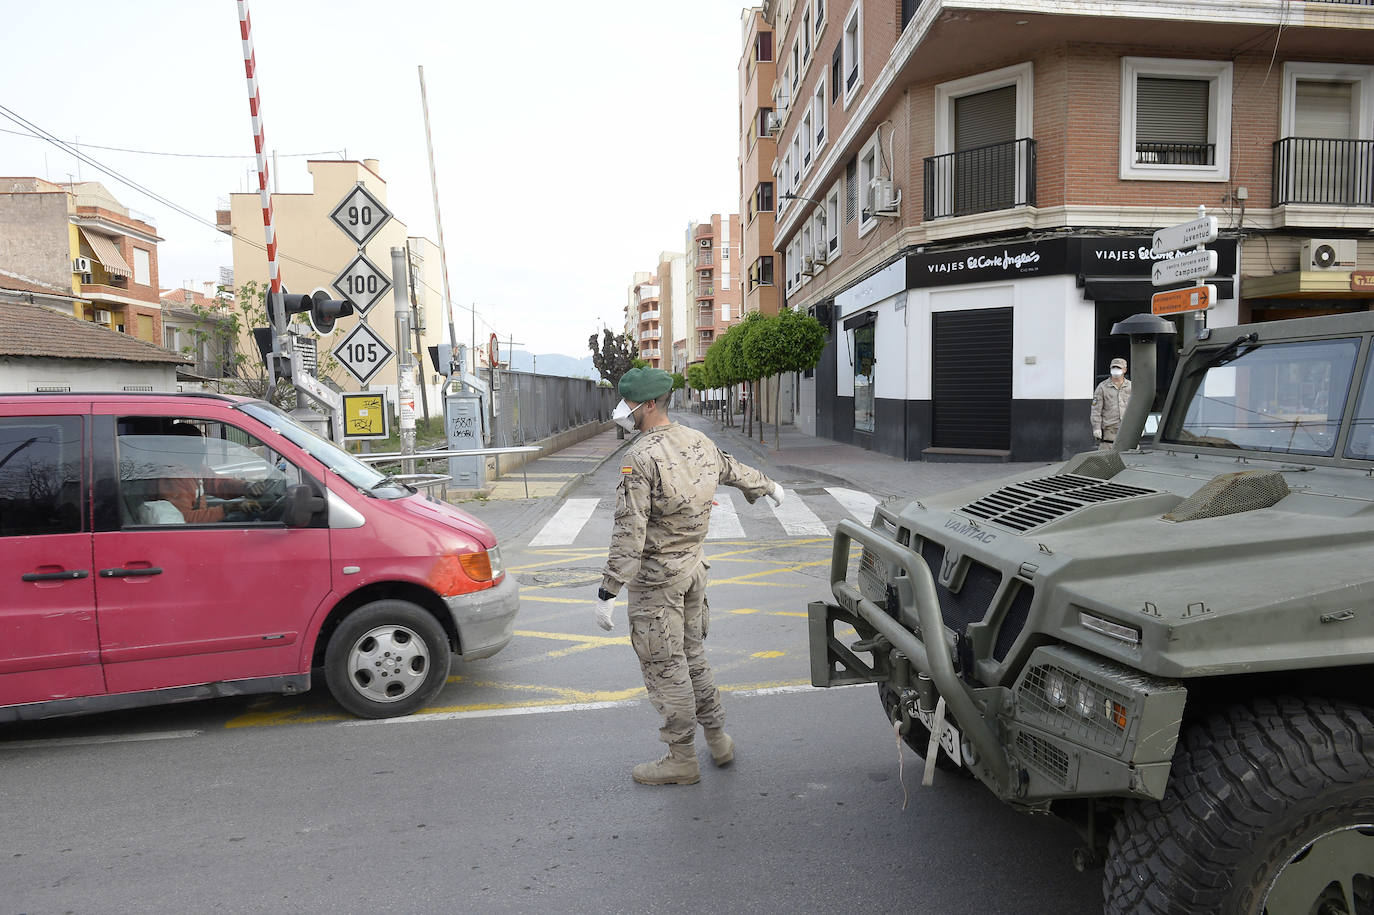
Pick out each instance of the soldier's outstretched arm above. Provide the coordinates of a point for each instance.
(746, 479)
(631, 523)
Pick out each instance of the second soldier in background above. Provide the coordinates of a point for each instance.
(668, 481)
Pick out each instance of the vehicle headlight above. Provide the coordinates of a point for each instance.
(1085, 699)
(497, 569)
(1056, 689)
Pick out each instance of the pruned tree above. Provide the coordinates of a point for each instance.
(612, 359)
(789, 342)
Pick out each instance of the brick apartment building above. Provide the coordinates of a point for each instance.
(713, 283)
(78, 237)
(976, 185)
(758, 148)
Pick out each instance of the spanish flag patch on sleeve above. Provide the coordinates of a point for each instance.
(627, 469)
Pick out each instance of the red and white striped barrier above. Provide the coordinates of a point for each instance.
(250, 67)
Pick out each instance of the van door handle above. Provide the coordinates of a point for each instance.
(55, 576)
(130, 573)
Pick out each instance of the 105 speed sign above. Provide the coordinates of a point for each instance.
(363, 353)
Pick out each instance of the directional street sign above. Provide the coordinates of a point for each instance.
(1191, 266)
(1177, 301)
(362, 352)
(362, 283)
(360, 215)
(1200, 231)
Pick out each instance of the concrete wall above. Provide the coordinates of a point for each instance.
(34, 237)
(27, 374)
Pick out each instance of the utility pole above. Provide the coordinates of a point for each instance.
(405, 369)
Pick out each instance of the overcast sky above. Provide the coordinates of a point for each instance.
(573, 141)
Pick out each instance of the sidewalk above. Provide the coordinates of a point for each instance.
(555, 474)
(810, 458)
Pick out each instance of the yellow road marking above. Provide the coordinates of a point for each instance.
(767, 654)
(743, 611)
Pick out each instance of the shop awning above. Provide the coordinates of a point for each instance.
(1133, 289)
(859, 320)
(107, 253)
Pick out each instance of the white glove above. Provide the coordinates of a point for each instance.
(778, 494)
(604, 608)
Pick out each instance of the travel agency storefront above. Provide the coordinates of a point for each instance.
(989, 352)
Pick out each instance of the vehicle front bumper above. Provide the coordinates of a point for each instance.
(485, 619)
(1024, 749)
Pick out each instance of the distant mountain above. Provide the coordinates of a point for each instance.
(553, 364)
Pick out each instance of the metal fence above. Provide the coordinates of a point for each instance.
(532, 407)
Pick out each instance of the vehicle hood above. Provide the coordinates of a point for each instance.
(435, 510)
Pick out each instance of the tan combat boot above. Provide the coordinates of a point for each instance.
(722, 747)
(679, 767)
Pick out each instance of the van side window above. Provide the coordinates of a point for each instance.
(192, 471)
(40, 475)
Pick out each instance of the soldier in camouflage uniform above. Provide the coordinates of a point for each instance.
(1109, 405)
(668, 480)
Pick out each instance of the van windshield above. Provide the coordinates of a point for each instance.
(365, 478)
(1280, 397)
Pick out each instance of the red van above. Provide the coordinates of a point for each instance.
(167, 547)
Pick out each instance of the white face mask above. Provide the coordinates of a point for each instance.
(1117, 373)
(625, 417)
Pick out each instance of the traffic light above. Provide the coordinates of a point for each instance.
(323, 310)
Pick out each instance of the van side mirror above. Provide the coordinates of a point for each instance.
(301, 505)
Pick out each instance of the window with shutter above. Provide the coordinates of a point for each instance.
(1175, 119)
(851, 190)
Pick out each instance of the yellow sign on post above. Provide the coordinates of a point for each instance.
(1178, 301)
(365, 416)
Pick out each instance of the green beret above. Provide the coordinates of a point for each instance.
(640, 385)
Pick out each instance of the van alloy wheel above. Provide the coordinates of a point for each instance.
(386, 659)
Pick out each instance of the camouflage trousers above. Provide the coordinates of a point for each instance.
(1108, 437)
(667, 628)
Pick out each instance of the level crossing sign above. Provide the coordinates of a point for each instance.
(360, 215)
(362, 283)
(362, 352)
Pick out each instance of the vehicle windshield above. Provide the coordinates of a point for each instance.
(1278, 397)
(365, 478)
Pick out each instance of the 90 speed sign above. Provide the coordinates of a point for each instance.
(362, 352)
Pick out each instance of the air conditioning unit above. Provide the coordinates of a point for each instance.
(1327, 254)
(822, 251)
(706, 242)
(884, 196)
(774, 124)
(81, 265)
(808, 265)
(102, 316)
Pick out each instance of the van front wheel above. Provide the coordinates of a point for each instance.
(386, 659)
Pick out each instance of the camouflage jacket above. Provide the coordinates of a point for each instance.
(668, 479)
(1109, 405)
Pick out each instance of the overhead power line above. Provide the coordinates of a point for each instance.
(177, 155)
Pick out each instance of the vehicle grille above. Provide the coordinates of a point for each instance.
(1045, 756)
(1014, 622)
(1030, 504)
(970, 604)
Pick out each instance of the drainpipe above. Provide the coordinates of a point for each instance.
(1144, 329)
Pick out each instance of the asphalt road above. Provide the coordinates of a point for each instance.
(512, 793)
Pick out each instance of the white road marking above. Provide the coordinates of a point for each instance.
(84, 741)
(724, 519)
(562, 529)
(566, 707)
(858, 504)
(796, 518)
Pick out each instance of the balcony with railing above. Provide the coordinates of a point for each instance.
(996, 177)
(1323, 172)
(705, 257)
(706, 317)
(650, 333)
(706, 292)
(645, 294)
(648, 316)
(1175, 154)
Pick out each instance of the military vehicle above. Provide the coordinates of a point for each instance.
(1169, 644)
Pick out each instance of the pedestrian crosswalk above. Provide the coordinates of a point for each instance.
(589, 521)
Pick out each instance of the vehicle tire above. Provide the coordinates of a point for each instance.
(918, 735)
(1269, 804)
(386, 659)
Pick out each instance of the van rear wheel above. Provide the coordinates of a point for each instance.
(1269, 809)
(386, 659)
